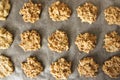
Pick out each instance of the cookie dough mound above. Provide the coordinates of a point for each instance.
(58, 41)
(112, 42)
(32, 68)
(112, 15)
(112, 67)
(88, 67)
(4, 9)
(6, 38)
(30, 12)
(59, 11)
(87, 12)
(85, 42)
(6, 66)
(30, 40)
(60, 69)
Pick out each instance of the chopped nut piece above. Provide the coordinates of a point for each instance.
(85, 42)
(58, 41)
(6, 66)
(6, 38)
(112, 42)
(112, 67)
(30, 12)
(4, 9)
(60, 69)
(88, 67)
(59, 11)
(32, 68)
(30, 40)
(87, 12)
(112, 15)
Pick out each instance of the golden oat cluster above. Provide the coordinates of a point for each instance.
(87, 12)
(112, 67)
(58, 41)
(30, 40)
(6, 38)
(59, 11)
(6, 66)
(30, 12)
(32, 68)
(88, 67)
(112, 42)
(112, 15)
(4, 9)
(60, 69)
(85, 42)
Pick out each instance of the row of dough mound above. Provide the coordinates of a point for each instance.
(59, 42)
(59, 11)
(61, 69)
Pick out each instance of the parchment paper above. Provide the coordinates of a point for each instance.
(45, 26)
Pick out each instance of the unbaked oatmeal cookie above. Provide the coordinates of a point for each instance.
(59, 11)
(6, 66)
(58, 41)
(32, 68)
(85, 42)
(112, 15)
(4, 9)
(111, 67)
(6, 38)
(30, 40)
(60, 69)
(30, 12)
(87, 12)
(88, 67)
(112, 42)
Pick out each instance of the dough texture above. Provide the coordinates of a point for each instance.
(86, 42)
(87, 12)
(111, 67)
(60, 69)
(32, 68)
(6, 66)
(59, 11)
(4, 9)
(30, 12)
(112, 42)
(6, 38)
(112, 15)
(88, 67)
(30, 40)
(58, 41)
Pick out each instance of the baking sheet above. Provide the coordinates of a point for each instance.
(45, 26)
